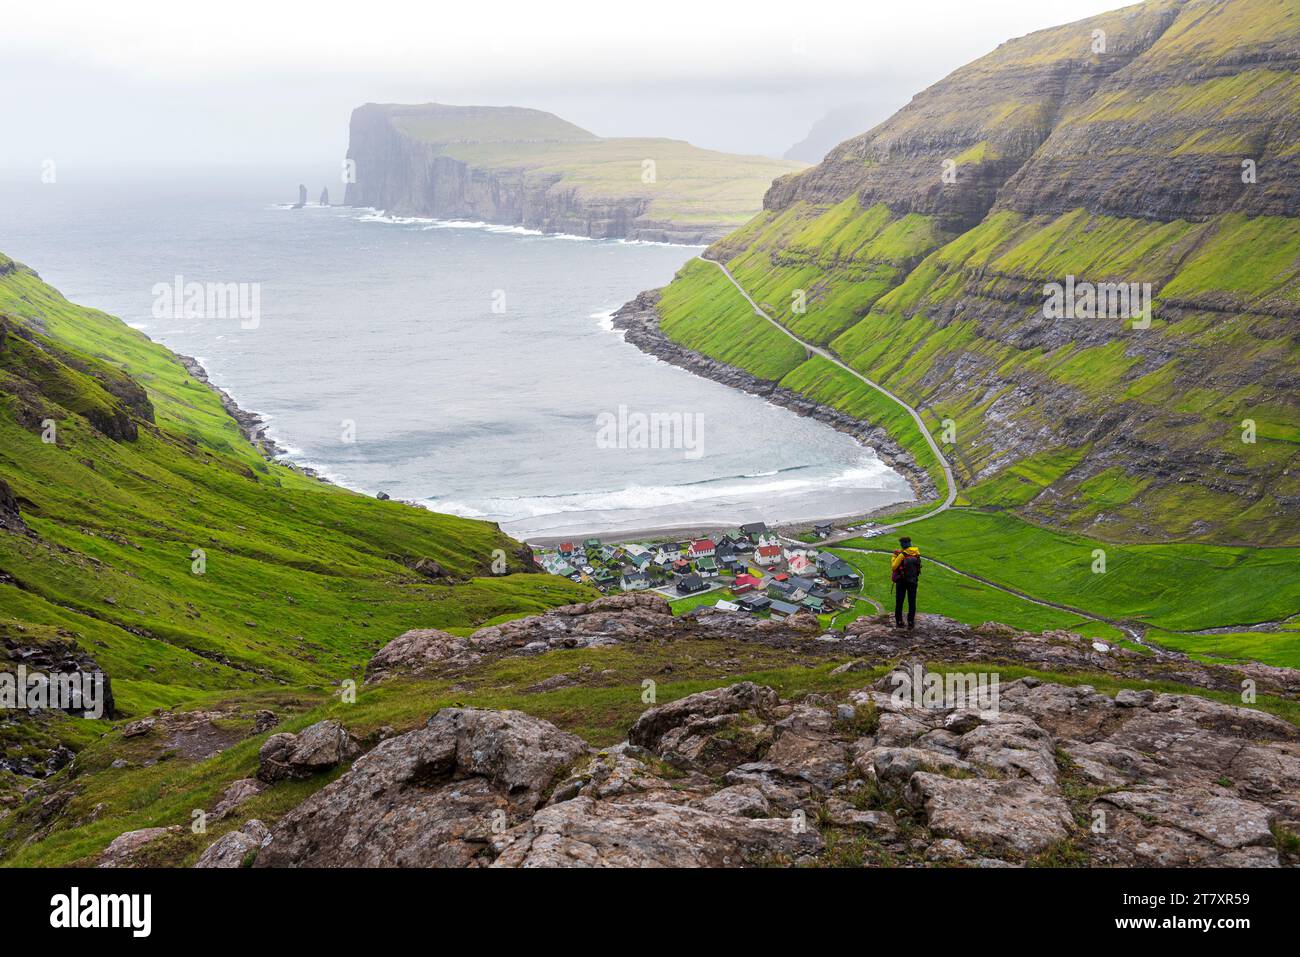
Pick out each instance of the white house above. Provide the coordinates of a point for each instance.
(634, 581)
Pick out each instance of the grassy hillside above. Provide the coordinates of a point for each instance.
(1168, 587)
(303, 580)
(526, 167)
(1124, 165)
(690, 184)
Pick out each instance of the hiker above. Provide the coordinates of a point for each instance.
(905, 572)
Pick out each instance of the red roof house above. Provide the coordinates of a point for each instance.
(704, 548)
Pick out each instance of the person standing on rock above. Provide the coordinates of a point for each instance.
(905, 572)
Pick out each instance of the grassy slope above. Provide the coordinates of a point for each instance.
(910, 305)
(303, 580)
(703, 311)
(1166, 586)
(971, 602)
(690, 185)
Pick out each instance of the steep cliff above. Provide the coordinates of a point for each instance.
(524, 167)
(1157, 145)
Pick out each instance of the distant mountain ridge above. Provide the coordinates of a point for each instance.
(515, 166)
(838, 125)
(1159, 145)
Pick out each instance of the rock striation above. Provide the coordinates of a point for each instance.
(1151, 147)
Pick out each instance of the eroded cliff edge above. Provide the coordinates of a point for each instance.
(521, 167)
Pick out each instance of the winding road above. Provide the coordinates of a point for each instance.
(916, 416)
(1133, 633)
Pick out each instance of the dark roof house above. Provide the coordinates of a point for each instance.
(690, 584)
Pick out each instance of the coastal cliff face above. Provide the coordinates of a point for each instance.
(1155, 147)
(527, 168)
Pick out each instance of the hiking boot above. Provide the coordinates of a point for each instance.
(911, 625)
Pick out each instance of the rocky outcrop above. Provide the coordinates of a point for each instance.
(611, 620)
(737, 776)
(428, 798)
(912, 767)
(587, 833)
(10, 518)
(130, 849)
(239, 792)
(636, 617)
(51, 660)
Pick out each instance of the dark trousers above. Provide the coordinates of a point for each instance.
(905, 590)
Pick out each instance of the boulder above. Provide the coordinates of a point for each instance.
(315, 749)
(745, 696)
(235, 848)
(125, 849)
(418, 652)
(235, 795)
(428, 798)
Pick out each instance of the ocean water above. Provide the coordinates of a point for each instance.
(470, 368)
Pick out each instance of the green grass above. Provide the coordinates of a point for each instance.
(944, 593)
(703, 311)
(690, 184)
(681, 606)
(1174, 586)
(303, 580)
(1281, 648)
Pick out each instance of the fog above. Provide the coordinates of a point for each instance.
(99, 86)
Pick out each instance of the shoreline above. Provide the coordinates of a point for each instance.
(253, 427)
(639, 322)
(709, 530)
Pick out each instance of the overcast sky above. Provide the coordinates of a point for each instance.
(99, 84)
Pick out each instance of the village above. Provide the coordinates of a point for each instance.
(748, 570)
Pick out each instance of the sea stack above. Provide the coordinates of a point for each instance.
(325, 196)
(302, 197)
